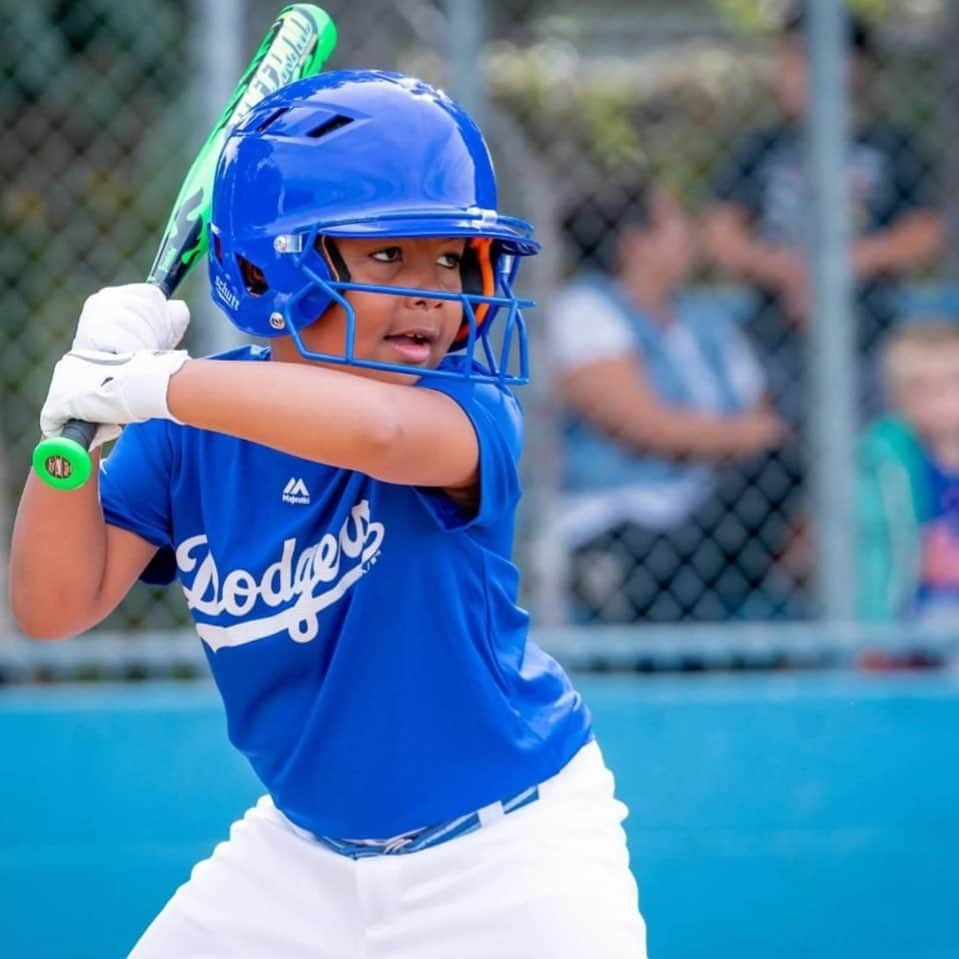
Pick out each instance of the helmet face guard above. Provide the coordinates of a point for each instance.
(363, 155)
(482, 361)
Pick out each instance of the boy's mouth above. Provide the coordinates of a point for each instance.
(413, 345)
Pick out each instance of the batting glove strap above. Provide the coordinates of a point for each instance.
(124, 319)
(110, 388)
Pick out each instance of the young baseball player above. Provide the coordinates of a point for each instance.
(339, 509)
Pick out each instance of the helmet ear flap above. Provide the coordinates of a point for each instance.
(477, 274)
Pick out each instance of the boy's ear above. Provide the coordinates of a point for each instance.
(477, 276)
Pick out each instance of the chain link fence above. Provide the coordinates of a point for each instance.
(676, 337)
(667, 467)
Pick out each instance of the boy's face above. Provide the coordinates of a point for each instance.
(402, 330)
(928, 396)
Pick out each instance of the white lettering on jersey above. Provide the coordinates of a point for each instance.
(290, 580)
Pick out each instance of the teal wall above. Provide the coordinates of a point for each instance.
(802, 815)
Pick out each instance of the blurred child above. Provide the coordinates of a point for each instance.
(909, 480)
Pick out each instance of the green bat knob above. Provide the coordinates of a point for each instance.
(63, 461)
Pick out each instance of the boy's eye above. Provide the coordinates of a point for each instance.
(394, 254)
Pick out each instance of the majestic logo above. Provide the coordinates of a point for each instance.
(299, 585)
(296, 492)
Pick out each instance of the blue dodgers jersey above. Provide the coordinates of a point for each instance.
(364, 636)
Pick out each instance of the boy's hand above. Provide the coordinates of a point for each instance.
(109, 388)
(124, 319)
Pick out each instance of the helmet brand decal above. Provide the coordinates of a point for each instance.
(226, 294)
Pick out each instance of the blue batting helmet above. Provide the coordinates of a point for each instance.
(360, 154)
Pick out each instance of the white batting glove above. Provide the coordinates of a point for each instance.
(124, 319)
(109, 388)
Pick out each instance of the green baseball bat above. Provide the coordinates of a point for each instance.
(296, 46)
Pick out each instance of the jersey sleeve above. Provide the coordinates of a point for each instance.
(498, 422)
(135, 490)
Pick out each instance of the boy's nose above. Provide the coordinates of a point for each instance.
(421, 278)
(423, 302)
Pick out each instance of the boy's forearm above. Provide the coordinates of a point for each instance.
(314, 413)
(57, 558)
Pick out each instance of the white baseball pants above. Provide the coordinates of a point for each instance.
(549, 880)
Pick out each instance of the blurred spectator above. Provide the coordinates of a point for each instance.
(759, 228)
(659, 392)
(909, 481)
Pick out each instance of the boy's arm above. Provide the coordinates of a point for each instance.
(389, 431)
(68, 568)
(393, 432)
